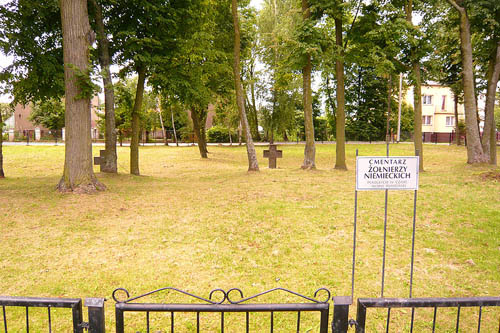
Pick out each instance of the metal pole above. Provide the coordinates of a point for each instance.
(400, 102)
(385, 234)
(354, 237)
(417, 153)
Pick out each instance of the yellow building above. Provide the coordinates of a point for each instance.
(438, 112)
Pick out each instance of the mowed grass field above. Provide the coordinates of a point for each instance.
(201, 224)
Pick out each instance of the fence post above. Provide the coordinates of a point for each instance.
(340, 323)
(96, 314)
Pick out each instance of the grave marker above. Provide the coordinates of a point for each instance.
(273, 153)
(99, 160)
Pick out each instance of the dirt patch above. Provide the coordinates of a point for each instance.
(491, 175)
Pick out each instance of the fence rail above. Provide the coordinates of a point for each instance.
(389, 303)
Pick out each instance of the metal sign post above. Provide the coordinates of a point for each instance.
(386, 173)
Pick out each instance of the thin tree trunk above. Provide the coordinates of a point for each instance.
(134, 142)
(110, 158)
(173, 126)
(457, 128)
(78, 175)
(253, 165)
(163, 127)
(255, 117)
(489, 135)
(198, 132)
(475, 152)
(340, 162)
(417, 95)
(310, 149)
(2, 174)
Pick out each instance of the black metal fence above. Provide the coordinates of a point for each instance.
(223, 306)
(95, 306)
(225, 303)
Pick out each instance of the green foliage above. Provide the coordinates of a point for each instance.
(220, 134)
(87, 88)
(49, 114)
(31, 32)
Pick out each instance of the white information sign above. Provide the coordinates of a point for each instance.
(386, 173)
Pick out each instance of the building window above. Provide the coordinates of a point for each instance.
(427, 120)
(427, 99)
(450, 121)
(443, 103)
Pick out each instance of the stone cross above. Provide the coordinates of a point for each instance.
(99, 160)
(273, 153)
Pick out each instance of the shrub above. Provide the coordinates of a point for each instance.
(219, 134)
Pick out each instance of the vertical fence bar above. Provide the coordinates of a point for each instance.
(197, 322)
(50, 320)
(340, 322)
(147, 322)
(4, 319)
(298, 322)
(119, 321)
(412, 319)
(458, 319)
(222, 322)
(324, 321)
(385, 234)
(247, 321)
(434, 320)
(172, 322)
(272, 322)
(27, 320)
(77, 310)
(417, 153)
(361, 318)
(388, 320)
(479, 321)
(96, 314)
(354, 238)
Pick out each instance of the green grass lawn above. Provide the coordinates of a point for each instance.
(202, 224)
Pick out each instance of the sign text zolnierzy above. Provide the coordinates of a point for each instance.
(386, 173)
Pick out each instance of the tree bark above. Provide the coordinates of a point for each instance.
(2, 174)
(417, 95)
(489, 135)
(110, 157)
(253, 165)
(134, 142)
(173, 126)
(310, 149)
(475, 152)
(457, 128)
(340, 162)
(78, 175)
(254, 114)
(197, 127)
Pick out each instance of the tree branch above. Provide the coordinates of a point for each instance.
(454, 4)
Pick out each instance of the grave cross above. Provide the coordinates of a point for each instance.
(273, 153)
(99, 160)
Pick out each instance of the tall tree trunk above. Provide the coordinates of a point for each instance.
(134, 141)
(110, 157)
(197, 127)
(254, 114)
(253, 165)
(2, 174)
(78, 175)
(417, 94)
(457, 128)
(310, 149)
(489, 135)
(340, 162)
(475, 152)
